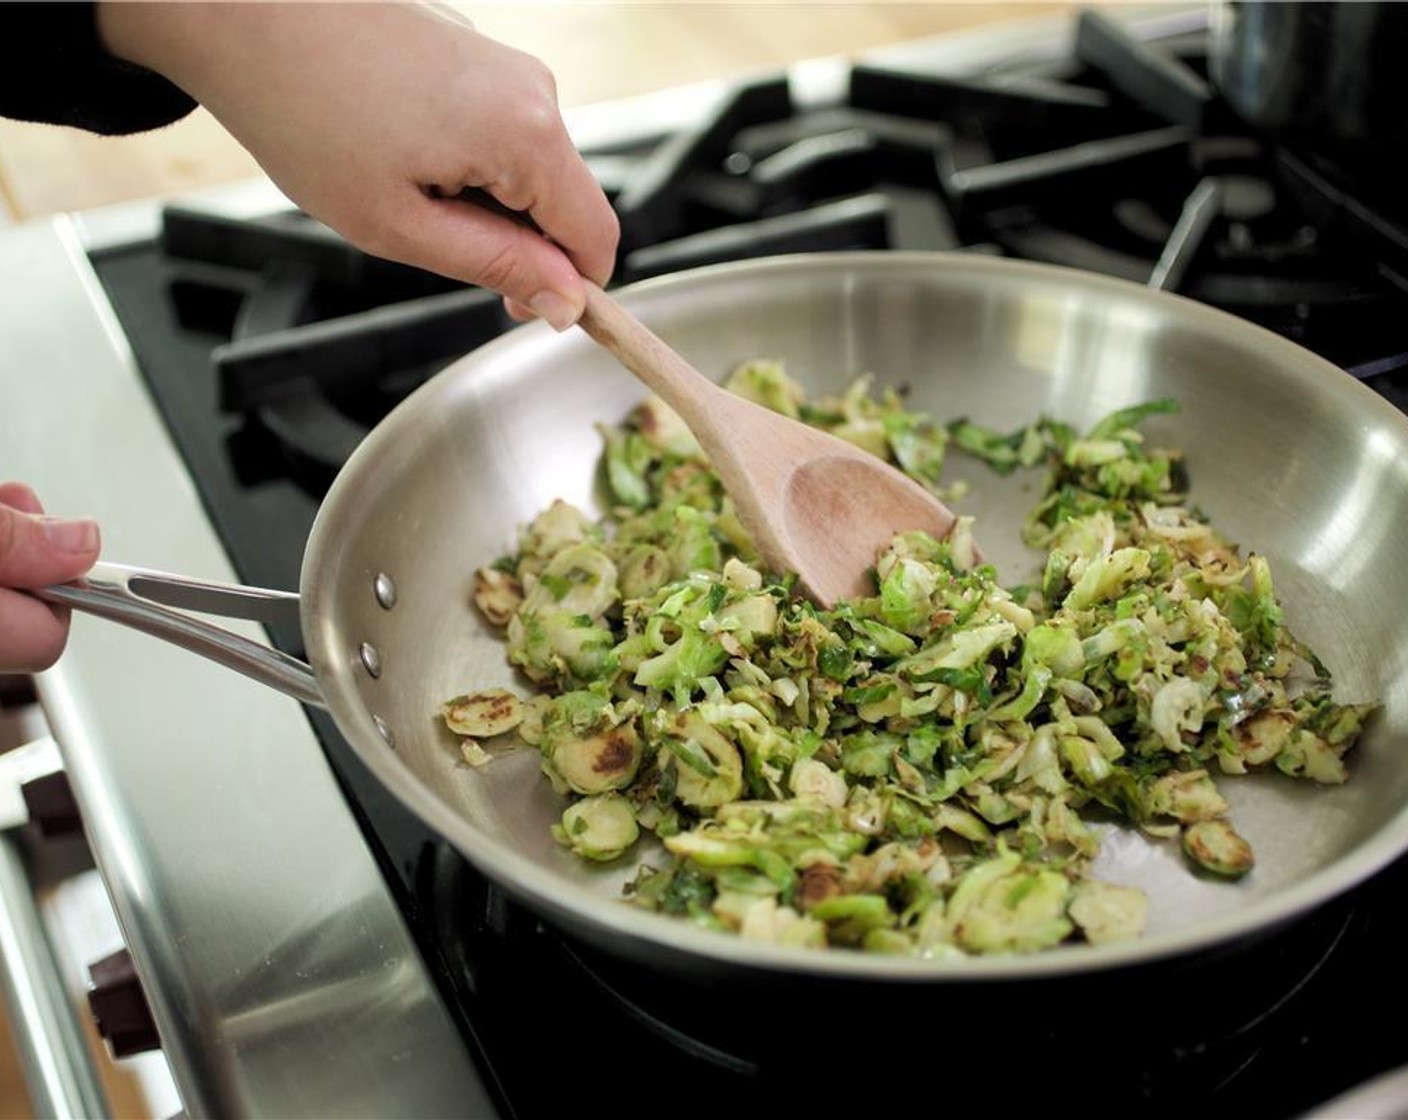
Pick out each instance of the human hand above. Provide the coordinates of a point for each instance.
(36, 551)
(372, 117)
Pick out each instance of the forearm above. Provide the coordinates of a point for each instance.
(374, 117)
(219, 50)
(149, 34)
(237, 58)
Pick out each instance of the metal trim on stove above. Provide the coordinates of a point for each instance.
(280, 972)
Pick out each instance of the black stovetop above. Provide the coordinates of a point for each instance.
(271, 347)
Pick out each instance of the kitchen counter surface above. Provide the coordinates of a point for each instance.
(598, 51)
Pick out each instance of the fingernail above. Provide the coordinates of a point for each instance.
(70, 536)
(557, 309)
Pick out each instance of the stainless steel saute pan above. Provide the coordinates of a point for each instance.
(1287, 454)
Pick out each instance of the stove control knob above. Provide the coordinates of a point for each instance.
(119, 1007)
(51, 805)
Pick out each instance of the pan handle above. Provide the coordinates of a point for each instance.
(141, 599)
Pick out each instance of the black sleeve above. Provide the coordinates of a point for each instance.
(53, 68)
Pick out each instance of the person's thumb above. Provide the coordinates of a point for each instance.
(36, 551)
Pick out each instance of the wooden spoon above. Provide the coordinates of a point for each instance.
(813, 503)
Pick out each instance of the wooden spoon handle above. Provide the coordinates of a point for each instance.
(641, 351)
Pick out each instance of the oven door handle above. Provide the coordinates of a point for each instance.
(152, 602)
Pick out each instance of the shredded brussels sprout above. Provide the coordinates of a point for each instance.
(921, 771)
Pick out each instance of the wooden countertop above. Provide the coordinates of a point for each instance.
(598, 51)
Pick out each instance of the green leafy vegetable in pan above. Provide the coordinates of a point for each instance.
(921, 771)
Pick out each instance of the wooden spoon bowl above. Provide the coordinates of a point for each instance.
(812, 503)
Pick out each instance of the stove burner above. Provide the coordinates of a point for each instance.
(1337, 211)
(324, 340)
(1065, 170)
(651, 206)
(1186, 238)
(1153, 78)
(1246, 197)
(853, 223)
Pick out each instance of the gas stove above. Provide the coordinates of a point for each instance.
(308, 948)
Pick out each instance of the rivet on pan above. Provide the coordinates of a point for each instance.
(371, 659)
(385, 731)
(385, 590)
